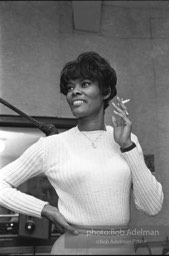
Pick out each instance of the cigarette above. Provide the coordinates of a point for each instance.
(125, 101)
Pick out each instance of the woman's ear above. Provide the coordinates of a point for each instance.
(107, 93)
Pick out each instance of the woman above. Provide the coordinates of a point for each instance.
(91, 166)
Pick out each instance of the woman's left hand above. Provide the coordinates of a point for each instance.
(122, 126)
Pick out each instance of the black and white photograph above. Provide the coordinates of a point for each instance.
(84, 127)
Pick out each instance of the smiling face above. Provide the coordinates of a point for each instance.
(84, 98)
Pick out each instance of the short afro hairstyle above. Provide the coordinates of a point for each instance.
(90, 65)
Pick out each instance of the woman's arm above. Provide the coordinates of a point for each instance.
(147, 191)
(28, 165)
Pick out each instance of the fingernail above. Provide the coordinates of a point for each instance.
(76, 232)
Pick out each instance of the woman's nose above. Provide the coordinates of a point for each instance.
(76, 91)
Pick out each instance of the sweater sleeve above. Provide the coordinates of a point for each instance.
(147, 191)
(28, 165)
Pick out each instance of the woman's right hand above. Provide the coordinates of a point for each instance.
(52, 213)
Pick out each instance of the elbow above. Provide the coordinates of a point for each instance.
(156, 209)
(151, 209)
(1, 194)
(3, 190)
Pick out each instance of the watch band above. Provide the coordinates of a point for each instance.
(123, 150)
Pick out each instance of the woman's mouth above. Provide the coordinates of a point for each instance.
(78, 103)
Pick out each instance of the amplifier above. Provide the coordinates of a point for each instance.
(26, 226)
(34, 227)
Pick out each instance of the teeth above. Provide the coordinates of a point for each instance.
(77, 102)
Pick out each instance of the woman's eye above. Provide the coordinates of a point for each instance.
(69, 88)
(86, 84)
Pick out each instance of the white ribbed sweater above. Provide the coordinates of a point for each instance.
(93, 184)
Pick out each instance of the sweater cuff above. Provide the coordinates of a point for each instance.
(34, 208)
(39, 207)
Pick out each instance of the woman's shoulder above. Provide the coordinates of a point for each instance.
(58, 137)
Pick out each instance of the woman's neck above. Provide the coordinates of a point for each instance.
(91, 125)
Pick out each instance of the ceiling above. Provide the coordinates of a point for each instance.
(87, 14)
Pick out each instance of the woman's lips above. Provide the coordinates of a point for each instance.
(78, 103)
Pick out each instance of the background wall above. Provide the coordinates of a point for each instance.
(37, 38)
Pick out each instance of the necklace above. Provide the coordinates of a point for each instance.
(93, 142)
